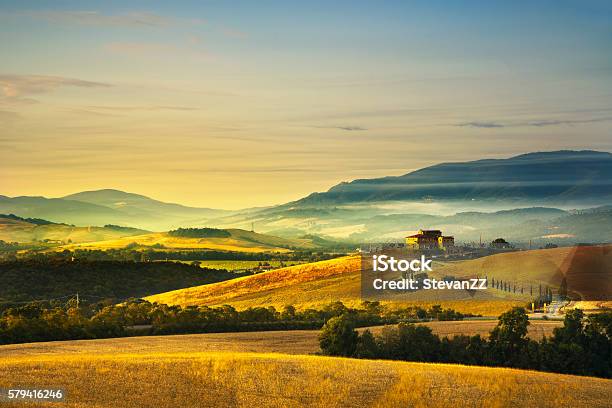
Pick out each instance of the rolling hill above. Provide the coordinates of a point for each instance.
(108, 206)
(586, 269)
(17, 229)
(236, 240)
(542, 177)
(170, 378)
(146, 210)
(530, 197)
(527, 197)
(320, 283)
(61, 210)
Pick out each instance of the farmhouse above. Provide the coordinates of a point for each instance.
(429, 239)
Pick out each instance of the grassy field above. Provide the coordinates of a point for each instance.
(223, 379)
(286, 342)
(587, 269)
(320, 283)
(308, 285)
(240, 240)
(232, 265)
(303, 284)
(20, 231)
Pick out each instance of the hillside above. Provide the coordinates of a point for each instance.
(542, 177)
(31, 279)
(282, 341)
(314, 283)
(310, 285)
(237, 240)
(17, 229)
(392, 221)
(62, 210)
(108, 206)
(320, 283)
(169, 379)
(587, 269)
(146, 210)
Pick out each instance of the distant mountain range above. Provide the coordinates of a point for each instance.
(467, 199)
(560, 177)
(108, 206)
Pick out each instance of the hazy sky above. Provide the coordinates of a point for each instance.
(238, 104)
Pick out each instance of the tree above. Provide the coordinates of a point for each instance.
(288, 313)
(366, 346)
(509, 338)
(563, 288)
(572, 330)
(338, 337)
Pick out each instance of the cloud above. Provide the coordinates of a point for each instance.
(96, 18)
(481, 125)
(540, 123)
(534, 123)
(143, 108)
(17, 88)
(147, 108)
(347, 128)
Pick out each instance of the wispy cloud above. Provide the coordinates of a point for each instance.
(348, 128)
(18, 88)
(481, 125)
(96, 18)
(540, 123)
(533, 123)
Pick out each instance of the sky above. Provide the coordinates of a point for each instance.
(240, 104)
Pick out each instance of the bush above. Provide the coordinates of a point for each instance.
(338, 337)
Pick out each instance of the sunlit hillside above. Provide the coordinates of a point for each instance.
(220, 379)
(319, 283)
(239, 240)
(19, 230)
(312, 285)
(308, 284)
(587, 269)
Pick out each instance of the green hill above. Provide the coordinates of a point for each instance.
(28, 230)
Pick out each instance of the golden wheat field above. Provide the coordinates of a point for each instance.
(287, 342)
(309, 285)
(588, 269)
(320, 283)
(221, 379)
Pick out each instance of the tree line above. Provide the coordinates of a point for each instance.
(157, 252)
(70, 321)
(583, 346)
(54, 276)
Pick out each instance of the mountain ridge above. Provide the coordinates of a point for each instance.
(563, 176)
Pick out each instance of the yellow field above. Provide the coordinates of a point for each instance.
(320, 283)
(218, 379)
(588, 269)
(309, 285)
(285, 341)
(240, 240)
